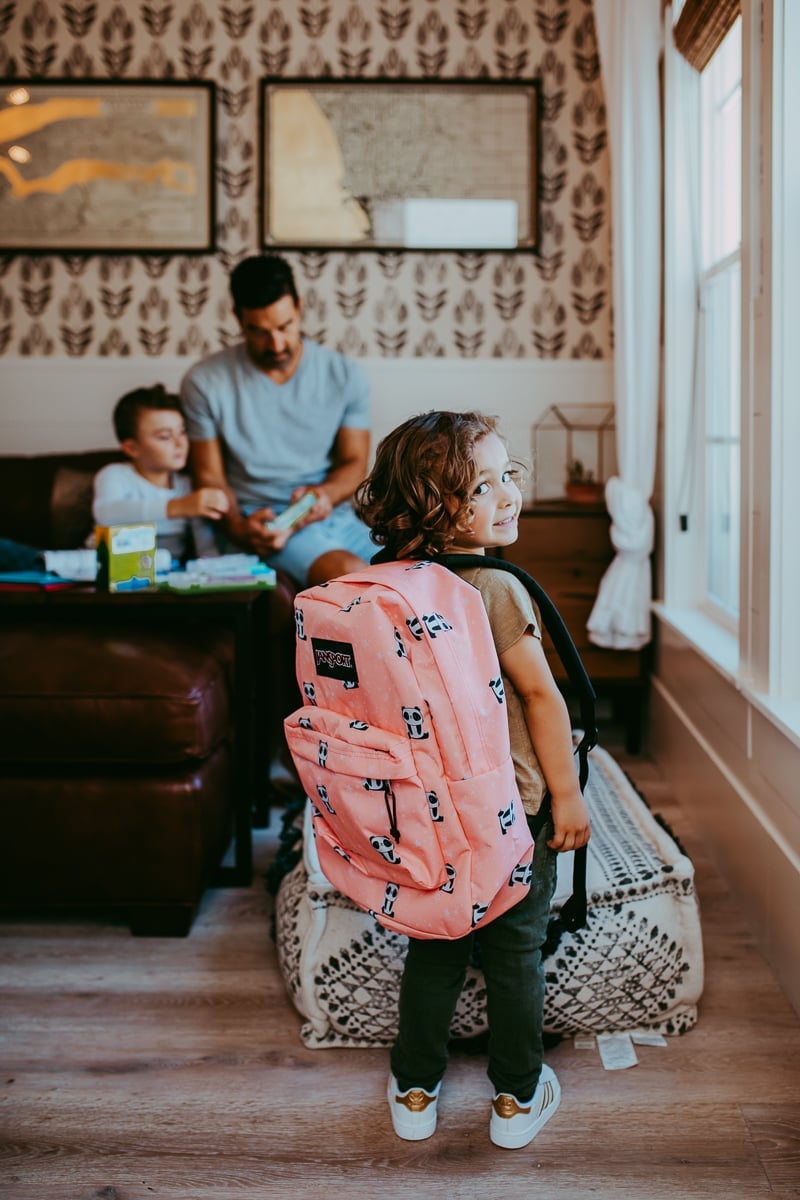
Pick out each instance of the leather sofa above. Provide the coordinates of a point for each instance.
(117, 739)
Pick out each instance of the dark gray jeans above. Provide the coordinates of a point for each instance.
(511, 961)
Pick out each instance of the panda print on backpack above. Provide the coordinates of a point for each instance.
(410, 743)
(413, 717)
(385, 847)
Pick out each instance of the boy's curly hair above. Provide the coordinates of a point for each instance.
(419, 487)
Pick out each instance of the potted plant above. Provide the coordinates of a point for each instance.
(581, 486)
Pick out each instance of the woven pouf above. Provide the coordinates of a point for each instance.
(637, 963)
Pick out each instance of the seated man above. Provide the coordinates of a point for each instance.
(275, 417)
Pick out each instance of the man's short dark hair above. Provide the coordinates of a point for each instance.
(260, 280)
(130, 406)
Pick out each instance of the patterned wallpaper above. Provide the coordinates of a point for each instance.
(555, 303)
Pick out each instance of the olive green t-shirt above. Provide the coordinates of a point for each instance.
(512, 614)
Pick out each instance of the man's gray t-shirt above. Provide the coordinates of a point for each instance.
(274, 436)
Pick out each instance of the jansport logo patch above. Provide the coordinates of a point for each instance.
(336, 660)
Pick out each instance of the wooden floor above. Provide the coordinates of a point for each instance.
(136, 1069)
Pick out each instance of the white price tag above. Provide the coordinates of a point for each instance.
(616, 1051)
(647, 1037)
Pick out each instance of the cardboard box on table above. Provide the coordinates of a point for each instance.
(126, 556)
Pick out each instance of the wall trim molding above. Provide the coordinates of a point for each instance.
(736, 785)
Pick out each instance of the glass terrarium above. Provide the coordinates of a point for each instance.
(574, 452)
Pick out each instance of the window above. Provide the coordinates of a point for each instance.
(719, 327)
(731, 484)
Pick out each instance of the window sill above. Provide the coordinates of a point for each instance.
(713, 643)
(720, 649)
(784, 714)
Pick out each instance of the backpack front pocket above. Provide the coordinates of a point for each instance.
(370, 805)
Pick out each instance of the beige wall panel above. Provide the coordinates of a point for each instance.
(65, 404)
(759, 862)
(706, 696)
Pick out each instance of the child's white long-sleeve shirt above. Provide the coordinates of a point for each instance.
(122, 497)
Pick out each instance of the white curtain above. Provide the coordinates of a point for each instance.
(629, 41)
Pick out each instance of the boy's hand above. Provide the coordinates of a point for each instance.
(571, 823)
(209, 502)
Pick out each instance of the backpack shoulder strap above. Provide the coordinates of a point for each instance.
(573, 913)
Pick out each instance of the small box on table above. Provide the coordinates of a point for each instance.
(126, 556)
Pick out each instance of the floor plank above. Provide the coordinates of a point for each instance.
(173, 1068)
(775, 1131)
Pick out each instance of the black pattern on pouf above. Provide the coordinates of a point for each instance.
(638, 963)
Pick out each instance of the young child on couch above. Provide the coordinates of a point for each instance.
(151, 431)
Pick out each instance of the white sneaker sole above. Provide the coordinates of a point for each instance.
(411, 1127)
(518, 1131)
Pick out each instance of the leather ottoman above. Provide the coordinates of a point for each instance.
(115, 770)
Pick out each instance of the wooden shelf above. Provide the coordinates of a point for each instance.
(567, 547)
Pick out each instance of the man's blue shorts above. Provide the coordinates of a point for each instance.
(342, 530)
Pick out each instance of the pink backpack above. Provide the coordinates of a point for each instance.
(402, 746)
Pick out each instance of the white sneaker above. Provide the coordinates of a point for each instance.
(513, 1124)
(413, 1112)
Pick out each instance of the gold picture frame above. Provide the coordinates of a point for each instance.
(387, 164)
(91, 166)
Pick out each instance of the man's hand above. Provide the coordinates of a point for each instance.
(322, 509)
(252, 533)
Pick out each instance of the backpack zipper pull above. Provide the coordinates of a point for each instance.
(391, 809)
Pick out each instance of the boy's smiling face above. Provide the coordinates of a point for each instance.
(495, 500)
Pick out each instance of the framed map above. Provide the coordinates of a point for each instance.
(399, 164)
(94, 167)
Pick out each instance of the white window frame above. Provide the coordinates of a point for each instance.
(777, 360)
(764, 659)
(718, 266)
(709, 602)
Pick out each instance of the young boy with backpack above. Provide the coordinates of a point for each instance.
(443, 483)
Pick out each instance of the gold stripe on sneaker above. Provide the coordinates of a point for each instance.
(507, 1107)
(416, 1101)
